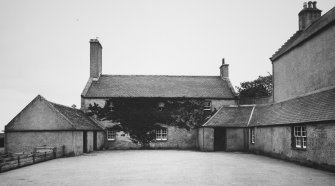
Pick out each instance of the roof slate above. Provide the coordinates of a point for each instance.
(230, 117)
(301, 36)
(160, 86)
(311, 108)
(77, 117)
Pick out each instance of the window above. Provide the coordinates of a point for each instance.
(161, 106)
(111, 134)
(207, 105)
(300, 137)
(252, 135)
(161, 134)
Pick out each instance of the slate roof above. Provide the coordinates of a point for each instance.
(307, 109)
(301, 36)
(160, 86)
(230, 117)
(77, 117)
(77, 120)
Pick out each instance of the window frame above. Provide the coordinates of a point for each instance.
(111, 134)
(161, 134)
(207, 107)
(299, 137)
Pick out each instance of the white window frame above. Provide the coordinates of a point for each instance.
(161, 134)
(252, 135)
(207, 105)
(111, 134)
(300, 137)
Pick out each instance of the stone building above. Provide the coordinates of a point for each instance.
(216, 91)
(300, 123)
(45, 124)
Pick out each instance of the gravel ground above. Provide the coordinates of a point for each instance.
(166, 167)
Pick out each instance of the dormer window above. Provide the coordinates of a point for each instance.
(161, 106)
(207, 105)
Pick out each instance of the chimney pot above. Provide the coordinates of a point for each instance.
(223, 61)
(305, 5)
(308, 16)
(309, 4)
(314, 4)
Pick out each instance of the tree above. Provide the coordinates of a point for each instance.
(261, 87)
(140, 117)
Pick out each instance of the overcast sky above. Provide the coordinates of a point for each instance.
(44, 46)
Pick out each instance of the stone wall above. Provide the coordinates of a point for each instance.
(276, 141)
(100, 140)
(235, 139)
(206, 139)
(306, 68)
(26, 141)
(178, 138)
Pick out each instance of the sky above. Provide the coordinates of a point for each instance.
(44, 46)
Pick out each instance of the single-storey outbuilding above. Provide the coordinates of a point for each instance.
(43, 123)
(226, 130)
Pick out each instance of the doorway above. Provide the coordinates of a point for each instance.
(85, 141)
(220, 142)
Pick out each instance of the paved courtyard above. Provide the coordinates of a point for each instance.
(166, 167)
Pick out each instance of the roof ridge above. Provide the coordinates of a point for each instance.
(159, 75)
(317, 26)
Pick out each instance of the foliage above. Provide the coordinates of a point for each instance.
(261, 87)
(141, 116)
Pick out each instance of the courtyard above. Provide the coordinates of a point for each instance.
(166, 167)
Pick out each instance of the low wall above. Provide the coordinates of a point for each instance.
(276, 141)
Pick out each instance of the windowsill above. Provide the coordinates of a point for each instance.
(297, 148)
(161, 140)
(110, 139)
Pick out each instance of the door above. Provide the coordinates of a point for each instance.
(84, 141)
(95, 140)
(220, 142)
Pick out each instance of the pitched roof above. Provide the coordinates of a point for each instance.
(237, 116)
(311, 108)
(76, 119)
(301, 36)
(160, 86)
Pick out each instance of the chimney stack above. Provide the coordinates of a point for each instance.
(224, 70)
(95, 58)
(308, 15)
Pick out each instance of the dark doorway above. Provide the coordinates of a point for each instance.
(95, 139)
(84, 141)
(220, 142)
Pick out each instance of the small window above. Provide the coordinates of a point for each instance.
(161, 106)
(111, 134)
(161, 134)
(300, 137)
(207, 105)
(252, 135)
